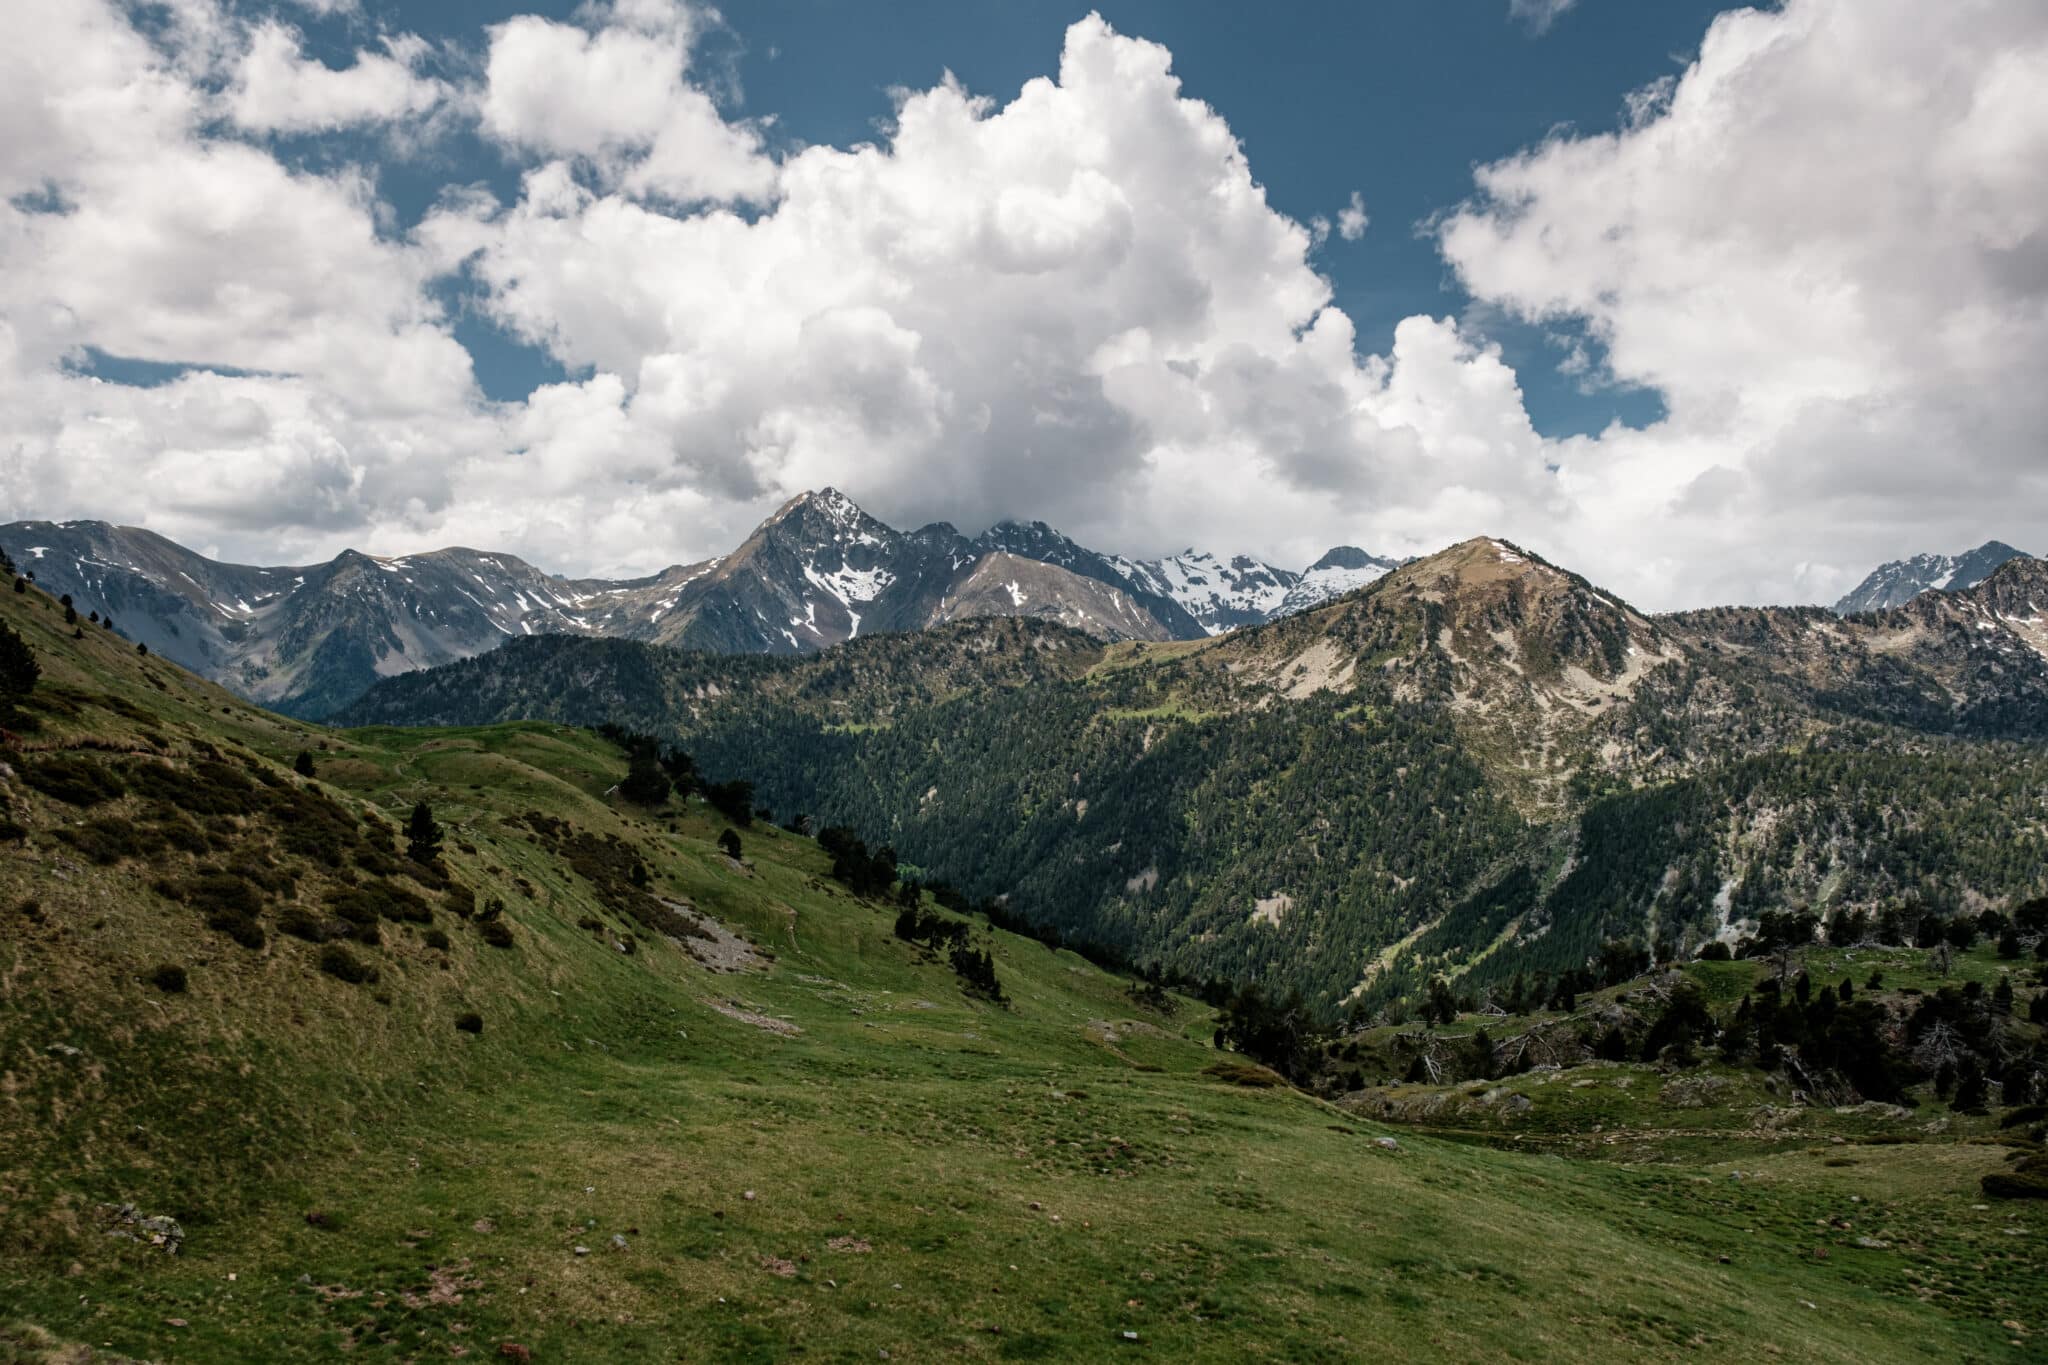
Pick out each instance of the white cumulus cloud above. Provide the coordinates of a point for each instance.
(1822, 246)
(1826, 247)
(278, 89)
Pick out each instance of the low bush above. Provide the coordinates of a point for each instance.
(470, 1023)
(2015, 1185)
(437, 940)
(109, 839)
(339, 962)
(1245, 1074)
(241, 928)
(496, 932)
(169, 978)
(300, 923)
(74, 780)
(220, 892)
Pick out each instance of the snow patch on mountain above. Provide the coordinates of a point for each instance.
(1902, 580)
(1220, 595)
(1344, 569)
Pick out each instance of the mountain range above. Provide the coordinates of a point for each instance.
(1899, 582)
(307, 640)
(1478, 764)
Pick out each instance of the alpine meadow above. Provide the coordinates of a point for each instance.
(1098, 686)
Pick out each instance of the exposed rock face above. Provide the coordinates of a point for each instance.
(1899, 582)
(309, 639)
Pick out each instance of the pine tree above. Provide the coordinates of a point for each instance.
(729, 844)
(645, 784)
(1482, 1055)
(422, 835)
(303, 764)
(1972, 1096)
(18, 667)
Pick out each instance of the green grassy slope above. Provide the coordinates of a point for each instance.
(832, 1153)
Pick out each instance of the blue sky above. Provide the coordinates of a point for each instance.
(1713, 305)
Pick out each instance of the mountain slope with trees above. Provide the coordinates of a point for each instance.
(1479, 764)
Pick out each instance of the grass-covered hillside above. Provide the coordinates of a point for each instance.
(1477, 765)
(579, 1084)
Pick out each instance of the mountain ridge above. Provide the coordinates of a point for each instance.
(1898, 582)
(1476, 760)
(816, 572)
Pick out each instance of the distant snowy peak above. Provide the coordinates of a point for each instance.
(1222, 595)
(819, 571)
(1899, 582)
(1344, 569)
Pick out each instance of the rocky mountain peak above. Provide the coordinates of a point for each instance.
(1899, 582)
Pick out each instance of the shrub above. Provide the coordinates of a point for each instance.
(496, 932)
(471, 1022)
(460, 900)
(223, 893)
(729, 844)
(1716, 951)
(437, 940)
(339, 962)
(302, 924)
(303, 764)
(241, 928)
(2024, 1114)
(108, 840)
(2015, 1185)
(1245, 1074)
(169, 978)
(74, 780)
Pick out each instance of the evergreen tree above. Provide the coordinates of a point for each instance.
(18, 668)
(1481, 1051)
(422, 835)
(303, 764)
(645, 783)
(729, 844)
(1972, 1096)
